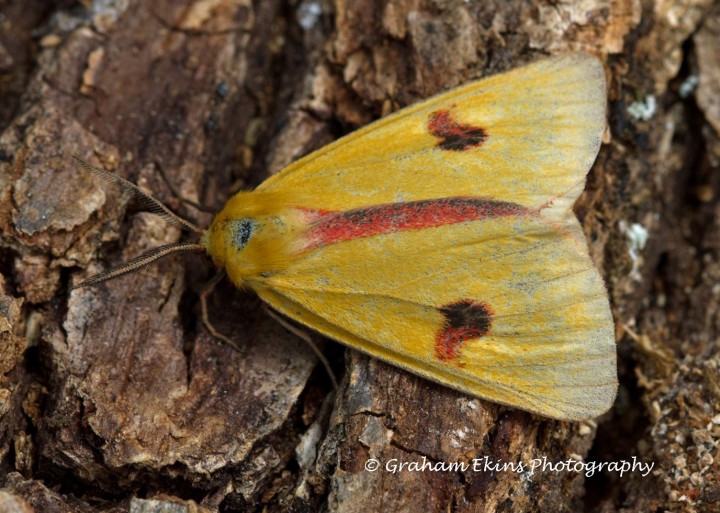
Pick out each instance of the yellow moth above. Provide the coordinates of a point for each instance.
(441, 239)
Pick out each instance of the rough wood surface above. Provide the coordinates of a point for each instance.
(115, 399)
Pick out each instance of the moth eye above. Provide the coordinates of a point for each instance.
(240, 231)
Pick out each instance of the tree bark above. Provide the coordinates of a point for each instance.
(115, 398)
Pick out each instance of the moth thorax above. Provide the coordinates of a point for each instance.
(239, 232)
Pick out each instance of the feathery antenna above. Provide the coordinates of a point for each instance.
(139, 262)
(150, 203)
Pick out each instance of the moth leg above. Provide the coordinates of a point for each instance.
(176, 192)
(308, 340)
(203, 305)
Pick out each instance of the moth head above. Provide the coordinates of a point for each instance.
(252, 237)
(228, 236)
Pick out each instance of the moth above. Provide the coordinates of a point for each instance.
(441, 239)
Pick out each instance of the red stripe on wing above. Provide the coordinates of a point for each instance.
(334, 227)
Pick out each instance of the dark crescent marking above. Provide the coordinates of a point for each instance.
(465, 320)
(455, 136)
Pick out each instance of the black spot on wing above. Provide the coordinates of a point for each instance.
(453, 135)
(465, 319)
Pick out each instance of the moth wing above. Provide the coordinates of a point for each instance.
(527, 136)
(523, 298)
